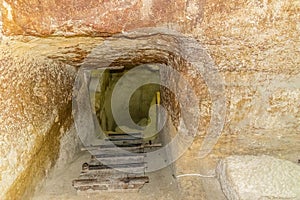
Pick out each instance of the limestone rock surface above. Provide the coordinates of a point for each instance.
(259, 177)
(35, 108)
(91, 17)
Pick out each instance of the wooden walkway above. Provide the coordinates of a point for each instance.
(117, 165)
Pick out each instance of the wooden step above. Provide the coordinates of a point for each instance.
(116, 155)
(117, 151)
(124, 134)
(113, 146)
(124, 137)
(127, 167)
(121, 160)
(128, 142)
(124, 147)
(117, 164)
(107, 184)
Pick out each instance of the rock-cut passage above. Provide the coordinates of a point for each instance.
(117, 160)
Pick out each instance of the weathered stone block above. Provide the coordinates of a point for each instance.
(259, 177)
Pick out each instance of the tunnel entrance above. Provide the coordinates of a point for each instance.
(104, 94)
(101, 134)
(126, 108)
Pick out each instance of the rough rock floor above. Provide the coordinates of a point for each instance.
(58, 185)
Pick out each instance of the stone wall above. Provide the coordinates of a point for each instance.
(251, 42)
(0, 25)
(255, 46)
(33, 115)
(88, 17)
(35, 104)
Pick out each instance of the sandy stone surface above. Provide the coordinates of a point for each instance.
(1, 25)
(91, 17)
(259, 177)
(35, 97)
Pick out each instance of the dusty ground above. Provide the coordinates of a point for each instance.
(58, 185)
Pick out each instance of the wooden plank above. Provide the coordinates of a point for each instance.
(127, 183)
(126, 155)
(111, 173)
(121, 160)
(124, 147)
(128, 142)
(95, 181)
(138, 134)
(112, 167)
(120, 144)
(110, 162)
(115, 166)
(117, 151)
(108, 147)
(124, 138)
(141, 179)
(131, 170)
(84, 193)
